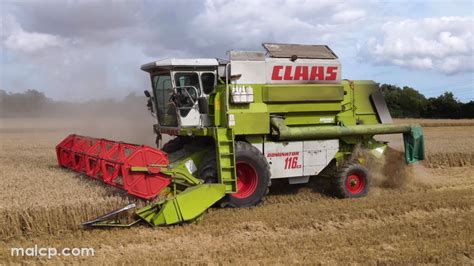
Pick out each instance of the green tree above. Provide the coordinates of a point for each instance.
(467, 110)
(444, 106)
(406, 102)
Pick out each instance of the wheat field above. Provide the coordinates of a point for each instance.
(447, 143)
(427, 219)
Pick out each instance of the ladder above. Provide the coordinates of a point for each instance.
(225, 155)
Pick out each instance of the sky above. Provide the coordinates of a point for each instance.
(83, 50)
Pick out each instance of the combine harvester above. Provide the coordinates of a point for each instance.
(238, 125)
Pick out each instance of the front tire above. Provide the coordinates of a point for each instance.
(175, 144)
(253, 176)
(208, 172)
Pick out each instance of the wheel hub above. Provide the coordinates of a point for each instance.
(355, 184)
(247, 180)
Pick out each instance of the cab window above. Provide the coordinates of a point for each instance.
(207, 80)
(187, 79)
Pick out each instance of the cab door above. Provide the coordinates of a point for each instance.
(187, 92)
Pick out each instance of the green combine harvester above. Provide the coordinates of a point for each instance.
(239, 124)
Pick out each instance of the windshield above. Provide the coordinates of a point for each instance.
(163, 90)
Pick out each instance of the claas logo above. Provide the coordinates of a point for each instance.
(304, 73)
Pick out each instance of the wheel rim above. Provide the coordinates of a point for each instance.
(355, 183)
(247, 180)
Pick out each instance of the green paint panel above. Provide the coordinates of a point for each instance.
(304, 107)
(365, 110)
(302, 93)
(252, 123)
(311, 118)
(250, 118)
(356, 106)
(193, 131)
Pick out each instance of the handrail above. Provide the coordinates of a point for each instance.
(227, 87)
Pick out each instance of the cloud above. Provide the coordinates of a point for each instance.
(17, 39)
(94, 21)
(88, 49)
(350, 15)
(444, 44)
(226, 25)
(71, 67)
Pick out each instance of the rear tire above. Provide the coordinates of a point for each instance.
(352, 181)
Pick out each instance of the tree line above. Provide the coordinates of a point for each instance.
(33, 103)
(407, 102)
(403, 102)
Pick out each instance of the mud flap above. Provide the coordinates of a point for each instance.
(414, 145)
(187, 206)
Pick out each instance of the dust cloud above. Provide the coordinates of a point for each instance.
(391, 171)
(127, 119)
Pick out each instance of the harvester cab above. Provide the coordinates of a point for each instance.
(284, 113)
(181, 89)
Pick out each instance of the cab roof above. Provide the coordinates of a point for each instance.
(180, 62)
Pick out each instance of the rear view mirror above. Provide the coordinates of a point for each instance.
(147, 93)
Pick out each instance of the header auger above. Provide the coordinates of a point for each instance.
(238, 124)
